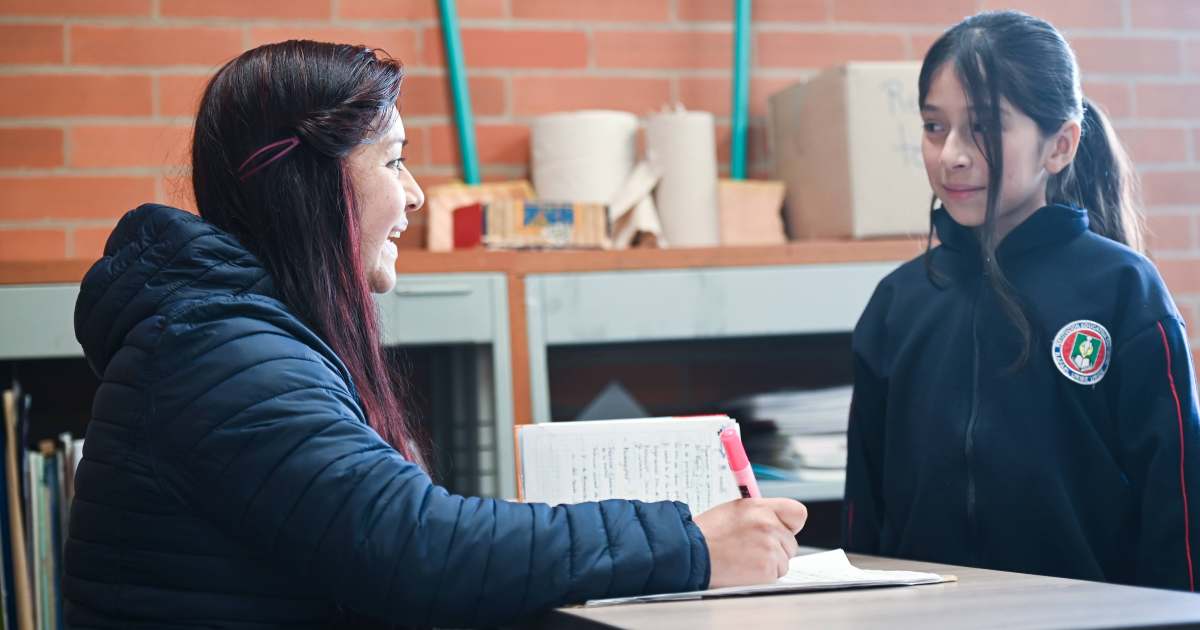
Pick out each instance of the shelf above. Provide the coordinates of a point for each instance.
(805, 491)
(525, 262)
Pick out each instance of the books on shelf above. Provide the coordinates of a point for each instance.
(34, 510)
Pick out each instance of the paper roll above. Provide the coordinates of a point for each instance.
(683, 144)
(582, 156)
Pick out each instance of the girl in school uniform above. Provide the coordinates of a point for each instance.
(1024, 396)
(250, 464)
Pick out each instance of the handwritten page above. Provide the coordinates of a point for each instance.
(652, 459)
(825, 571)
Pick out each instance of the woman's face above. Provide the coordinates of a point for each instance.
(384, 193)
(957, 170)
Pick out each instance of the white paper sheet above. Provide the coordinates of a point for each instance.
(825, 571)
(651, 459)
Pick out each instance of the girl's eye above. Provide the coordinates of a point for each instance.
(932, 127)
(397, 164)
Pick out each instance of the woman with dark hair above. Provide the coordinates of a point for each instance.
(1023, 396)
(249, 463)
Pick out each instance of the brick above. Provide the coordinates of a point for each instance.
(1182, 275)
(945, 12)
(1167, 14)
(284, 9)
(1068, 13)
(429, 180)
(1171, 188)
(492, 48)
(820, 50)
(31, 148)
(24, 96)
(89, 242)
(1116, 99)
(607, 11)
(1149, 146)
(1167, 100)
(1191, 54)
(715, 95)
(430, 96)
(540, 95)
(411, 10)
(496, 144)
(416, 154)
(179, 95)
(1170, 232)
(114, 146)
(177, 192)
(32, 244)
(76, 8)
(1195, 145)
(756, 144)
(663, 49)
(21, 43)
(762, 11)
(400, 44)
(1190, 318)
(921, 43)
(25, 198)
(154, 46)
(1122, 55)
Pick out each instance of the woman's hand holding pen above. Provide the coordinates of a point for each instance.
(750, 541)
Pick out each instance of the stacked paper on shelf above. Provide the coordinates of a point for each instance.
(800, 432)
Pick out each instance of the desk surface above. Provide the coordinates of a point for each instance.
(980, 599)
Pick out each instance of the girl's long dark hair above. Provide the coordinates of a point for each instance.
(297, 214)
(1013, 56)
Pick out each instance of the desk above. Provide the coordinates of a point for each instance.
(980, 599)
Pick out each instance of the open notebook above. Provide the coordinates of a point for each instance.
(825, 571)
(648, 459)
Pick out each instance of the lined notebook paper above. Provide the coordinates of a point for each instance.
(825, 571)
(649, 459)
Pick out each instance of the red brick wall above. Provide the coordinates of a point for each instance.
(96, 96)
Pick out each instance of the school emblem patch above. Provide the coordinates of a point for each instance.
(1081, 351)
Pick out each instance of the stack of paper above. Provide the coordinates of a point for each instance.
(825, 571)
(810, 438)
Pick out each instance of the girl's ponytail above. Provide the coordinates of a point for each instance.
(1102, 179)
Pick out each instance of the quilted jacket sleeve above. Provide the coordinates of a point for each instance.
(258, 432)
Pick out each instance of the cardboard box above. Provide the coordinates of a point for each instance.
(848, 146)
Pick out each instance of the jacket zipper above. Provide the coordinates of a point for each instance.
(969, 444)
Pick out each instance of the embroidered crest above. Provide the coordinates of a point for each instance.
(1081, 351)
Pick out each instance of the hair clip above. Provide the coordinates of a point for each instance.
(290, 143)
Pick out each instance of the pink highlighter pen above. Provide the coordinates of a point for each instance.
(743, 475)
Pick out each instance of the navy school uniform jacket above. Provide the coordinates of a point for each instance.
(1079, 464)
(230, 480)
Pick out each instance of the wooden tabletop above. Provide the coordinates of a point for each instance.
(979, 599)
(526, 262)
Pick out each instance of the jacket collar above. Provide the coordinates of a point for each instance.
(1049, 225)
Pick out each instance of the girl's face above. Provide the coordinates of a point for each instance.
(384, 193)
(958, 172)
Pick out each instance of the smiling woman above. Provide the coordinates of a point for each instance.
(250, 464)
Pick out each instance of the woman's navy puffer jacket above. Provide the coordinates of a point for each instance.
(229, 478)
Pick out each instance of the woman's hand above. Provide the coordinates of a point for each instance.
(750, 541)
